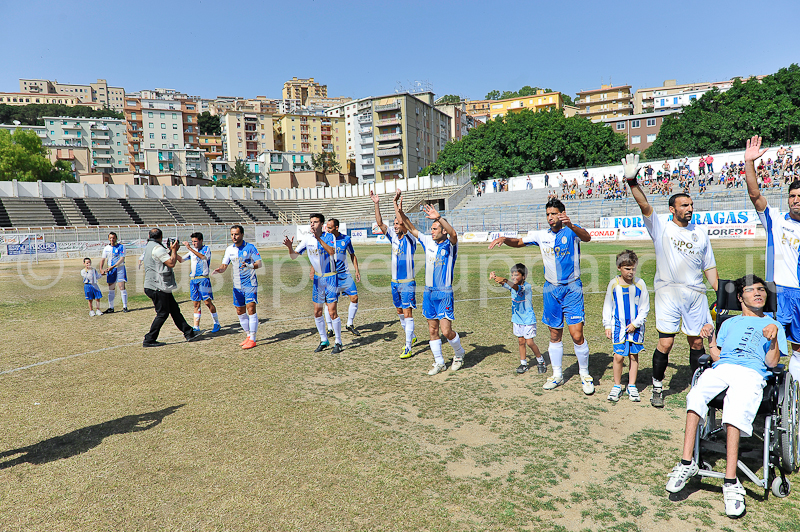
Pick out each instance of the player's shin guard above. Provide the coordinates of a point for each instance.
(582, 353)
(436, 349)
(351, 313)
(694, 358)
(455, 343)
(337, 329)
(124, 294)
(556, 351)
(197, 319)
(327, 314)
(409, 330)
(253, 319)
(323, 335)
(111, 294)
(245, 321)
(660, 361)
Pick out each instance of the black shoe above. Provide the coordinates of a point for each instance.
(337, 348)
(124, 309)
(658, 398)
(152, 344)
(192, 335)
(522, 368)
(353, 330)
(109, 310)
(542, 368)
(330, 333)
(322, 346)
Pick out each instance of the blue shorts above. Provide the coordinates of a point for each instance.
(438, 304)
(789, 312)
(404, 295)
(117, 275)
(325, 290)
(346, 284)
(243, 296)
(627, 348)
(563, 300)
(200, 289)
(91, 292)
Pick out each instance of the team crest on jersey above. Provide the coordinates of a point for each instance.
(563, 240)
(694, 238)
(444, 252)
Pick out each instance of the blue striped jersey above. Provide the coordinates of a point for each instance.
(90, 276)
(343, 246)
(440, 261)
(403, 249)
(626, 304)
(561, 254)
(783, 241)
(238, 257)
(113, 254)
(522, 304)
(200, 267)
(320, 260)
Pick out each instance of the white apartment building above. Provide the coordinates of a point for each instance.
(245, 134)
(99, 92)
(179, 161)
(105, 137)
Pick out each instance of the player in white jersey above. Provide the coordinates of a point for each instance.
(115, 273)
(562, 297)
(245, 260)
(683, 255)
(441, 250)
(782, 257)
(404, 285)
(200, 284)
(91, 290)
(321, 249)
(345, 282)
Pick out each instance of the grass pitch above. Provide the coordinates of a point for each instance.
(101, 434)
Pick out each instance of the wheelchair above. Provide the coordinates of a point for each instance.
(776, 446)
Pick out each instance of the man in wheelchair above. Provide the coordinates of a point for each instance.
(742, 351)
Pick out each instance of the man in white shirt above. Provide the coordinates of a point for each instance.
(683, 255)
(114, 270)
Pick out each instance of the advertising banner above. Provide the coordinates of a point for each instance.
(480, 236)
(274, 234)
(358, 235)
(31, 249)
(636, 233)
(731, 231)
(375, 229)
(698, 217)
(603, 234)
(498, 234)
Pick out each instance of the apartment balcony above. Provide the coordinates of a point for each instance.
(364, 105)
(73, 126)
(365, 131)
(368, 171)
(192, 155)
(391, 151)
(101, 136)
(102, 145)
(71, 136)
(327, 147)
(325, 122)
(366, 141)
(387, 107)
(365, 119)
(389, 136)
(368, 161)
(41, 134)
(390, 167)
(389, 121)
(368, 151)
(166, 160)
(102, 156)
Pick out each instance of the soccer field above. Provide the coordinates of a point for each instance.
(102, 434)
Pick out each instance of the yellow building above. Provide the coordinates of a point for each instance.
(311, 134)
(99, 93)
(303, 89)
(28, 98)
(605, 102)
(212, 144)
(245, 135)
(538, 102)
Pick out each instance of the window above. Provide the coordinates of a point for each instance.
(163, 125)
(149, 114)
(152, 145)
(133, 116)
(651, 122)
(152, 135)
(174, 116)
(635, 123)
(163, 136)
(118, 134)
(692, 97)
(174, 126)
(663, 102)
(294, 158)
(620, 125)
(651, 137)
(119, 144)
(161, 115)
(150, 125)
(675, 100)
(174, 136)
(636, 139)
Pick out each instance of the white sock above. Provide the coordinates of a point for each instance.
(351, 313)
(582, 352)
(253, 326)
(245, 321)
(337, 329)
(327, 314)
(556, 357)
(216, 317)
(111, 298)
(436, 348)
(455, 343)
(402, 321)
(323, 334)
(794, 365)
(409, 331)
(197, 317)
(124, 294)
(540, 360)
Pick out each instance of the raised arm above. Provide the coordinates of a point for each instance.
(432, 214)
(398, 209)
(752, 153)
(289, 243)
(582, 233)
(630, 167)
(378, 219)
(328, 249)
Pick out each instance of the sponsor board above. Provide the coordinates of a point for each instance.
(698, 217)
(497, 234)
(20, 238)
(31, 249)
(273, 234)
(358, 235)
(603, 234)
(731, 231)
(303, 230)
(635, 233)
(470, 236)
(71, 246)
(381, 239)
(375, 229)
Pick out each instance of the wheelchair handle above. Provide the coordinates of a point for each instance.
(704, 360)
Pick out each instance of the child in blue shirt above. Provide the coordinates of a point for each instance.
(522, 316)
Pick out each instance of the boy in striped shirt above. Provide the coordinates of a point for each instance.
(624, 313)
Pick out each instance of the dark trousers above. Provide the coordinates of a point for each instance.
(165, 306)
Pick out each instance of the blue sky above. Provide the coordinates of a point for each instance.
(248, 48)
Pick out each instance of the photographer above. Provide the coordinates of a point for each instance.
(159, 282)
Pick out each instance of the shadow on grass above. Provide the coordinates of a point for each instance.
(376, 326)
(681, 379)
(287, 335)
(478, 352)
(82, 440)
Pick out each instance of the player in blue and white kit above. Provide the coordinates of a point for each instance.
(115, 273)
(321, 249)
(346, 283)
(563, 291)
(404, 286)
(90, 287)
(782, 257)
(245, 260)
(624, 313)
(200, 284)
(441, 251)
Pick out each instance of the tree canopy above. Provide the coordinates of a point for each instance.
(31, 115)
(449, 98)
(240, 176)
(325, 162)
(22, 157)
(208, 124)
(526, 142)
(719, 121)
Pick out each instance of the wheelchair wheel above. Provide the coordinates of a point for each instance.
(779, 489)
(790, 457)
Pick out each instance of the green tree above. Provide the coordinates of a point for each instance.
(526, 142)
(22, 157)
(492, 95)
(449, 98)
(240, 176)
(31, 115)
(325, 162)
(208, 124)
(567, 99)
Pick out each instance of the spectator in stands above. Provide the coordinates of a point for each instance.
(701, 165)
(780, 155)
(494, 184)
(546, 180)
(665, 167)
(709, 164)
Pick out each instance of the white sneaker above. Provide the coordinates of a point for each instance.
(616, 391)
(680, 474)
(437, 368)
(588, 384)
(734, 499)
(91, 313)
(553, 383)
(633, 393)
(98, 312)
(458, 362)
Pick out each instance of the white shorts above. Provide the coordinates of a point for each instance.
(745, 390)
(679, 308)
(525, 331)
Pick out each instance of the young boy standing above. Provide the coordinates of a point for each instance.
(523, 317)
(624, 313)
(90, 287)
